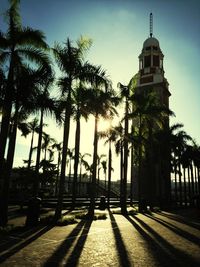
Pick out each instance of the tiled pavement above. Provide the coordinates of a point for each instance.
(161, 239)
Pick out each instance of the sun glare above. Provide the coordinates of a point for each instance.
(104, 125)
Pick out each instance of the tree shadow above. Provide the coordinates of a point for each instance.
(21, 239)
(157, 251)
(121, 248)
(59, 254)
(178, 257)
(76, 253)
(176, 229)
(181, 219)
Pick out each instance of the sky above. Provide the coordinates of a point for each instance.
(118, 29)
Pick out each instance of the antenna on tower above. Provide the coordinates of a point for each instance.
(151, 24)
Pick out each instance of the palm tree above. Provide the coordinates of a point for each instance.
(18, 45)
(80, 110)
(101, 104)
(119, 151)
(25, 90)
(44, 104)
(69, 60)
(125, 93)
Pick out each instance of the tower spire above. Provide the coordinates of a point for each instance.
(151, 24)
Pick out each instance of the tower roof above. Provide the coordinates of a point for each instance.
(151, 41)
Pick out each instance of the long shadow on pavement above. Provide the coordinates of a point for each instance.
(75, 254)
(176, 230)
(17, 242)
(181, 219)
(155, 248)
(56, 258)
(121, 248)
(179, 257)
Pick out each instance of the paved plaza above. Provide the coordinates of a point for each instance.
(160, 239)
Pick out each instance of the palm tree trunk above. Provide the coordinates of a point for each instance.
(94, 171)
(4, 133)
(196, 179)
(180, 183)
(198, 176)
(98, 178)
(7, 175)
(121, 171)
(109, 171)
(189, 183)
(192, 178)
(58, 211)
(36, 182)
(80, 179)
(132, 161)
(30, 151)
(105, 186)
(140, 206)
(185, 189)
(175, 177)
(76, 159)
(57, 175)
(124, 183)
(6, 115)
(132, 175)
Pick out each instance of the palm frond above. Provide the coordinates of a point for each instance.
(35, 55)
(32, 37)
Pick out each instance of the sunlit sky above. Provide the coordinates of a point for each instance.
(118, 29)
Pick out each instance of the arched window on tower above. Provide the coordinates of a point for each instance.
(147, 61)
(156, 61)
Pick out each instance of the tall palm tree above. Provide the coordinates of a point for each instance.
(18, 45)
(25, 90)
(44, 104)
(125, 93)
(101, 104)
(69, 59)
(119, 151)
(80, 110)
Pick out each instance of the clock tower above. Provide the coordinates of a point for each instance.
(154, 186)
